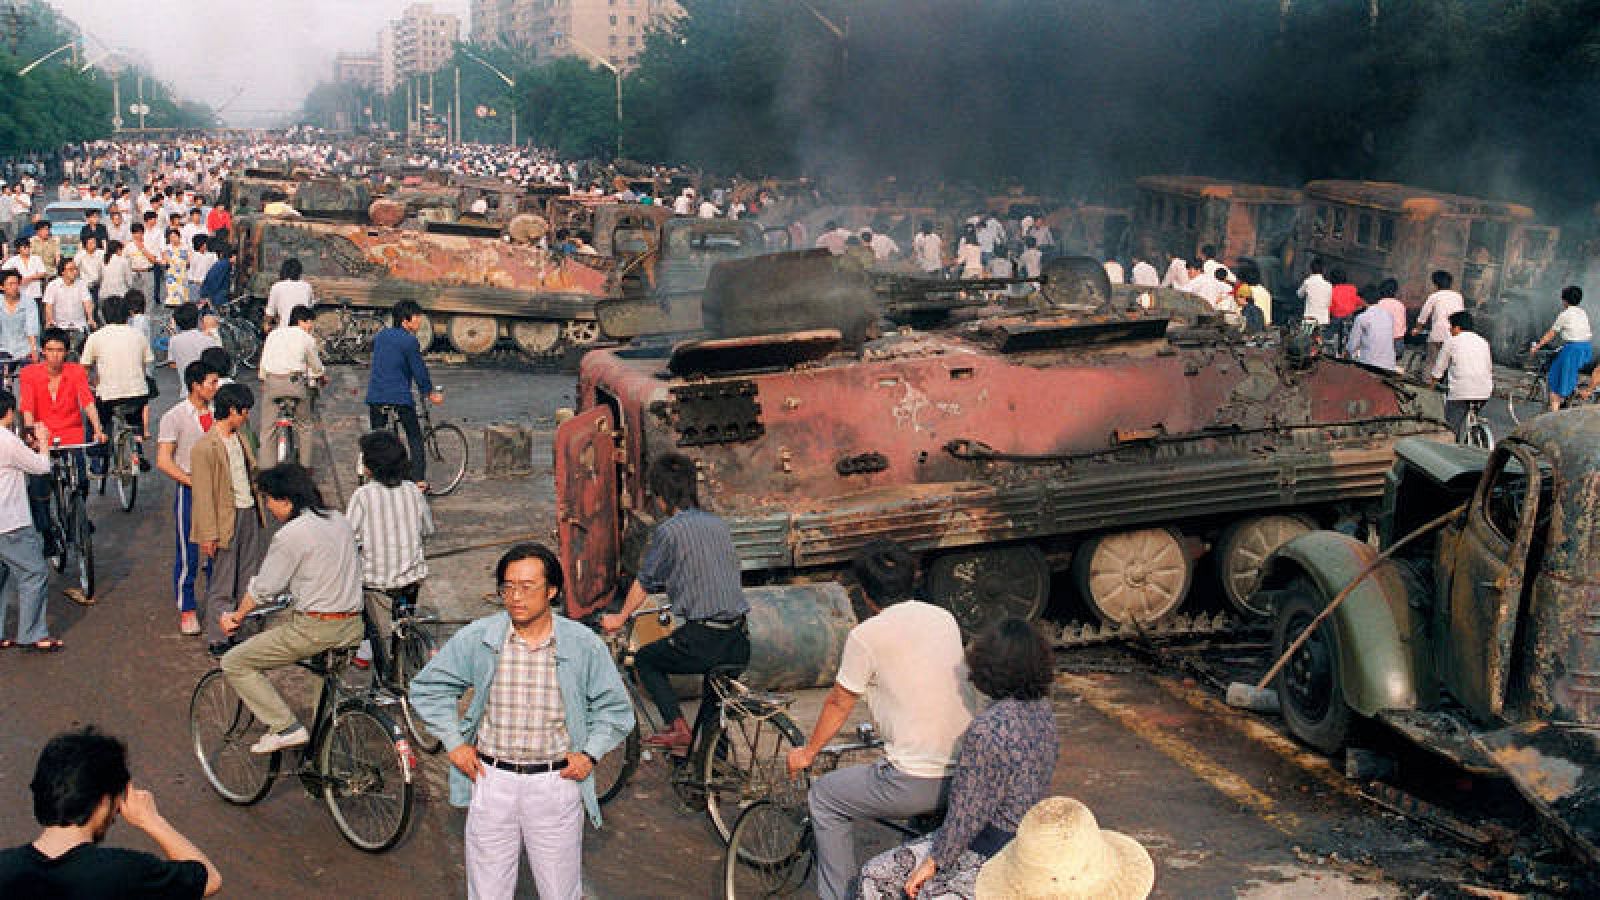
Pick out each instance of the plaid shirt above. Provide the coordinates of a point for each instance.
(524, 721)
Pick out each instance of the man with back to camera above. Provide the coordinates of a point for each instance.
(396, 364)
(908, 660)
(80, 786)
(1466, 359)
(1436, 312)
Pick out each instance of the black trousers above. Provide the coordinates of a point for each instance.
(408, 420)
(693, 649)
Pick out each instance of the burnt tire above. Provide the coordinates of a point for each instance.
(984, 586)
(1308, 687)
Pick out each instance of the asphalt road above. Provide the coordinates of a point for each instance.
(1226, 806)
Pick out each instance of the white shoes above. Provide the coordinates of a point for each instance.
(281, 740)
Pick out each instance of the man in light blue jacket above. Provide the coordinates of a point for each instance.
(547, 702)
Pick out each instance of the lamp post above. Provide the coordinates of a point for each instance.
(41, 60)
(616, 73)
(510, 83)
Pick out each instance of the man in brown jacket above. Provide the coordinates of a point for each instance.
(228, 520)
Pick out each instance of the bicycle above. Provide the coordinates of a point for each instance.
(444, 446)
(1475, 431)
(735, 758)
(358, 760)
(349, 337)
(283, 435)
(396, 661)
(1530, 395)
(71, 536)
(772, 850)
(240, 337)
(122, 466)
(9, 367)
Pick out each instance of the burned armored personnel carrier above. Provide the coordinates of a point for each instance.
(1000, 450)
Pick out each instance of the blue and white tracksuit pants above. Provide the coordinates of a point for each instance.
(186, 555)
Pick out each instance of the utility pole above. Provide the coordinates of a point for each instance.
(116, 101)
(142, 107)
(455, 117)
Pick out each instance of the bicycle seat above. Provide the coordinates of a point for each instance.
(331, 661)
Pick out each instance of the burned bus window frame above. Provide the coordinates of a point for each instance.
(1336, 233)
(1364, 230)
(1386, 233)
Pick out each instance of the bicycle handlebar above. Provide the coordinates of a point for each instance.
(55, 448)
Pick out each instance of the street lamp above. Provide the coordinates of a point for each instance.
(510, 83)
(41, 60)
(616, 72)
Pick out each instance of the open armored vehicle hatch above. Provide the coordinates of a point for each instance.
(1017, 336)
(743, 354)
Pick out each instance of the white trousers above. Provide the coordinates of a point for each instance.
(543, 813)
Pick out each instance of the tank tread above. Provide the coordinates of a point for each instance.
(1087, 634)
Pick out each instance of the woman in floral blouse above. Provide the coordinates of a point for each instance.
(1003, 768)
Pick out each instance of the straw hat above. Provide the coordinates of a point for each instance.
(1061, 853)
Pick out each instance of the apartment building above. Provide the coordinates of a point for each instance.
(611, 29)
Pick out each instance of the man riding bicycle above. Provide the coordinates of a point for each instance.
(690, 557)
(289, 368)
(1465, 356)
(56, 392)
(313, 558)
(396, 364)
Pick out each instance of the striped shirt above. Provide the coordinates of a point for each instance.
(390, 526)
(691, 558)
(524, 720)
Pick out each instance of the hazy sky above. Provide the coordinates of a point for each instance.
(268, 52)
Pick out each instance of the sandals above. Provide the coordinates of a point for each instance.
(48, 645)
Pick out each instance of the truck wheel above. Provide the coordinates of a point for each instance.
(536, 339)
(581, 332)
(1142, 575)
(1242, 549)
(425, 332)
(983, 586)
(472, 335)
(1309, 688)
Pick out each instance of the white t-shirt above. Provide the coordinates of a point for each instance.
(33, 265)
(119, 354)
(929, 251)
(285, 296)
(909, 663)
(68, 304)
(1144, 275)
(1318, 294)
(289, 350)
(1114, 272)
(1572, 325)
(1466, 357)
(1437, 310)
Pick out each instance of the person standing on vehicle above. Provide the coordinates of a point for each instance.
(1465, 357)
(692, 559)
(312, 558)
(547, 701)
(287, 293)
(1436, 312)
(80, 786)
(1572, 326)
(397, 364)
(21, 547)
(228, 520)
(909, 661)
(182, 427)
(289, 367)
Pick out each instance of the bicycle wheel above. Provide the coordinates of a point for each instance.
(742, 760)
(366, 777)
(127, 471)
(446, 449)
(84, 538)
(1527, 399)
(612, 771)
(410, 653)
(1478, 435)
(221, 730)
(58, 529)
(285, 444)
(770, 852)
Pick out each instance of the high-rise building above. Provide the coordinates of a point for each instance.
(611, 29)
(421, 41)
(388, 75)
(361, 69)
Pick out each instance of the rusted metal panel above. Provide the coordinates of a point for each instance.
(586, 509)
(1555, 767)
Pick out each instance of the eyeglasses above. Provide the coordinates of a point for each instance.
(513, 588)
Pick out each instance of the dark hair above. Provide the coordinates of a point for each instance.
(136, 228)
(59, 335)
(218, 360)
(1316, 266)
(385, 457)
(1442, 280)
(8, 402)
(1337, 276)
(1461, 319)
(302, 314)
(43, 223)
(1388, 288)
(671, 477)
(402, 312)
(1368, 293)
(76, 771)
(292, 482)
(230, 397)
(1011, 659)
(115, 309)
(9, 273)
(187, 316)
(887, 571)
(135, 301)
(290, 269)
(552, 565)
(198, 240)
(1572, 295)
(1209, 251)
(195, 373)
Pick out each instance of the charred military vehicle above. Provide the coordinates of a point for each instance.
(1000, 450)
(1482, 640)
(475, 286)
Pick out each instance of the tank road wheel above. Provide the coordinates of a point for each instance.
(983, 586)
(472, 335)
(536, 339)
(1142, 575)
(425, 332)
(581, 332)
(1242, 549)
(1309, 686)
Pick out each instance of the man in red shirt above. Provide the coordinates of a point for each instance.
(56, 392)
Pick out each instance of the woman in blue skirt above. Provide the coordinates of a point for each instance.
(1572, 326)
